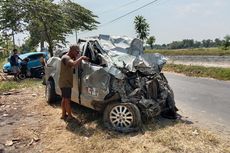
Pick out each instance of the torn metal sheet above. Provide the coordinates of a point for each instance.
(96, 83)
(121, 44)
(115, 72)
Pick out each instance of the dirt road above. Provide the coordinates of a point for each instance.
(28, 124)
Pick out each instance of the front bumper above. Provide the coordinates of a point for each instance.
(6, 71)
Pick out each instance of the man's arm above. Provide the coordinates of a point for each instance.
(76, 62)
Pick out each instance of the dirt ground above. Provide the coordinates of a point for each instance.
(29, 124)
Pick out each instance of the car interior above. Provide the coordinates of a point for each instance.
(91, 50)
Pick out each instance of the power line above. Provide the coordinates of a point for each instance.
(119, 7)
(127, 13)
(118, 18)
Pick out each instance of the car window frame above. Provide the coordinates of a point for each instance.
(37, 55)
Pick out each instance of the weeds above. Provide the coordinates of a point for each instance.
(9, 85)
(200, 71)
(197, 51)
(2, 62)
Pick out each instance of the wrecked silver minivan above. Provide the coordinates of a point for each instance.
(119, 80)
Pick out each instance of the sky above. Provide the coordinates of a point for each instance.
(169, 20)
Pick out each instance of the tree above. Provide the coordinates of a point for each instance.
(197, 44)
(218, 42)
(151, 40)
(52, 22)
(141, 27)
(226, 42)
(11, 18)
(188, 43)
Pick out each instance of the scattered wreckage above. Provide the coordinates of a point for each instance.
(119, 80)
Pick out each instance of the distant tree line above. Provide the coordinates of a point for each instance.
(190, 43)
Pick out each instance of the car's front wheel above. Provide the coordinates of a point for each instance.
(50, 92)
(122, 117)
(21, 76)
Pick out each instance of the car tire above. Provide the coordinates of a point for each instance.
(50, 92)
(21, 76)
(122, 117)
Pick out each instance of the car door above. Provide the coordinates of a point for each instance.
(75, 90)
(34, 60)
(94, 81)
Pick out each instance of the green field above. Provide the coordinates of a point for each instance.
(196, 51)
(199, 71)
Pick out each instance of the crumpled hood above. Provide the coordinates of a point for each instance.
(121, 44)
(145, 62)
(128, 54)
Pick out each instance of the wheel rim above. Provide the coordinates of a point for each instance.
(121, 117)
(47, 91)
(22, 76)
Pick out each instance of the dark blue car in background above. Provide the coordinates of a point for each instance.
(34, 60)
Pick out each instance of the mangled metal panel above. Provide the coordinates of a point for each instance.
(153, 60)
(122, 60)
(146, 63)
(126, 53)
(96, 83)
(115, 72)
(136, 47)
(121, 44)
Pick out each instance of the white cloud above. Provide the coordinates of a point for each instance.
(187, 9)
(200, 8)
(218, 3)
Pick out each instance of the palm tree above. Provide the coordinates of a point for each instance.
(141, 27)
(151, 40)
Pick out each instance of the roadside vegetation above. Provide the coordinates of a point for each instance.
(195, 52)
(9, 85)
(55, 20)
(2, 62)
(191, 43)
(199, 71)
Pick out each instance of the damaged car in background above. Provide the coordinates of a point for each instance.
(118, 80)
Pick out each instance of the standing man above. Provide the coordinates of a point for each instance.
(14, 63)
(68, 62)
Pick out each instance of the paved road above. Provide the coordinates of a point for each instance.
(206, 101)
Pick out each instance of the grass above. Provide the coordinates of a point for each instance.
(199, 71)
(9, 85)
(157, 137)
(195, 52)
(2, 62)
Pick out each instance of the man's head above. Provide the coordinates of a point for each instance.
(74, 51)
(15, 51)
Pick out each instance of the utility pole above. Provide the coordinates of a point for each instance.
(13, 38)
(76, 35)
(19, 42)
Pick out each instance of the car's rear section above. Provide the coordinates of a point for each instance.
(52, 70)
